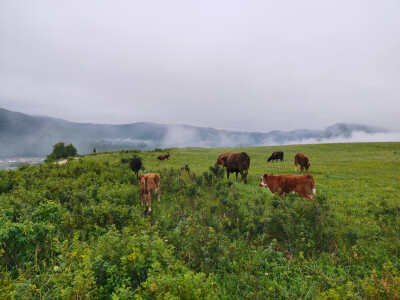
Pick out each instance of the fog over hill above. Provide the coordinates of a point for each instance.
(24, 135)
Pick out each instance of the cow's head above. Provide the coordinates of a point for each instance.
(263, 181)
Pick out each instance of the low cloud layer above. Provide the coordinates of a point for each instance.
(356, 137)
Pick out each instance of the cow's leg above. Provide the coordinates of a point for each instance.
(295, 167)
(158, 190)
(142, 197)
(237, 176)
(227, 174)
(149, 202)
(244, 176)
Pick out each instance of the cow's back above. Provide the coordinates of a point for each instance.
(304, 185)
(239, 161)
(301, 159)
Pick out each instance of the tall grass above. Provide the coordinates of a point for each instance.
(78, 230)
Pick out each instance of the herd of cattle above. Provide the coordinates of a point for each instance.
(303, 185)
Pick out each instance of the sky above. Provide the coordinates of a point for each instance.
(226, 64)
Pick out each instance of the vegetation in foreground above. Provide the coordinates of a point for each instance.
(78, 231)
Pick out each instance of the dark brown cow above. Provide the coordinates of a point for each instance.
(302, 160)
(148, 183)
(219, 160)
(304, 185)
(237, 162)
(163, 156)
(275, 156)
(136, 165)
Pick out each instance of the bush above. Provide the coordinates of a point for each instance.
(61, 151)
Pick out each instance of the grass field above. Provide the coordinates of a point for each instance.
(78, 230)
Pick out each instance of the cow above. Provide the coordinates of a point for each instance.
(302, 160)
(136, 165)
(163, 156)
(304, 185)
(275, 156)
(237, 162)
(219, 160)
(94, 150)
(149, 183)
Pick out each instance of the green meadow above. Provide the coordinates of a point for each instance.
(78, 231)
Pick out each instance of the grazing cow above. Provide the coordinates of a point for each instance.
(302, 160)
(304, 185)
(219, 160)
(149, 183)
(94, 150)
(136, 164)
(163, 156)
(237, 162)
(275, 156)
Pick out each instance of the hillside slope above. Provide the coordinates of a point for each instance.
(24, 135)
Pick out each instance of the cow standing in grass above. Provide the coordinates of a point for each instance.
(149, 183)
(275, 156)
(304, 185)
(163, 156)
(238, 163)
(302, 160)
(136, 165)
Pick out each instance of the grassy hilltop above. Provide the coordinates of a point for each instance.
(78, 231)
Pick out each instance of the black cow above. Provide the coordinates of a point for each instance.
(275, 156)
(136, 164)
(237, 162)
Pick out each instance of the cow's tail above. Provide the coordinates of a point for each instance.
(146, 189)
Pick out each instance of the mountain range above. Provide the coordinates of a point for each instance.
(34, 136)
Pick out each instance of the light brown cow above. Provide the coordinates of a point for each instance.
(304, 185)
(148, 183)
(302, 160)
(220, 162)
(163, 156)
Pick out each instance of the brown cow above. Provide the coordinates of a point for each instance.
(302, 160)
(163, 156)
(304, 185)
(237, 162)
(219, 160)
(148, 183)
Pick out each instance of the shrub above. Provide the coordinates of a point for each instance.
(61, 151)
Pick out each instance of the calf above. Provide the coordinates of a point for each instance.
(275, 156)
(220, 161)
(302, 160)
(237, 162)
(304, 185)
(136, 165)
(148, 183)
(163, 156)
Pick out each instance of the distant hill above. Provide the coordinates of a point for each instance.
(24, 135)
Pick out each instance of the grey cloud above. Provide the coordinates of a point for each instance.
(245, 66)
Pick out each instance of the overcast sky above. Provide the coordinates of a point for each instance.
(235, 65)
